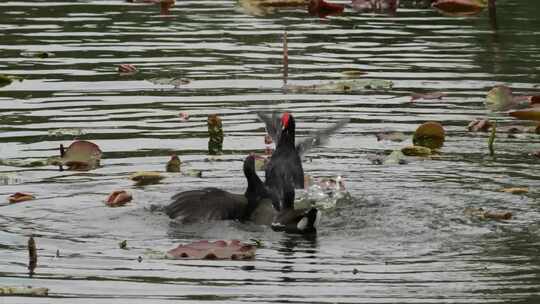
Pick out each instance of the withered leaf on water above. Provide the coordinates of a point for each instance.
(142, 178)
(480, 213)
(118, 198)
(459, 7)
(20, 197)
(323, 9)
(127, 69)
(218, 250)
(32, 256)
(479, 125)
(375, 6)
(416, 151)
(515, 190)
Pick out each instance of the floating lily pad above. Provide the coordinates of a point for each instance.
(416, 151)
(176, 82)
(342, 86)
(24, 291)
(146, 178)
(500, 98)
(118, 198)
(430, 134)
(218, 250)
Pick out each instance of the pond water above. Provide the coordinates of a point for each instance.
(401, 238)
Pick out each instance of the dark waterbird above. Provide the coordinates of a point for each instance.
(217, 204)
(285, 167)
(254, 206)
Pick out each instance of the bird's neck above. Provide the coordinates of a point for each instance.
(286, 139)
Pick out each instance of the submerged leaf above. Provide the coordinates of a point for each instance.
(342, 86)
(430, 134)
(176, 82)
(218, 250)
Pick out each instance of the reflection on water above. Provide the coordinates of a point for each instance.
(401, 238)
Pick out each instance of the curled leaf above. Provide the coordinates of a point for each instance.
(118, 198)
(20, 197)
(81, 155)
(218, 250)
(430, 134)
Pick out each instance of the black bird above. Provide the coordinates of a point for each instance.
(285, 166)
(254, 205)
(216, 204)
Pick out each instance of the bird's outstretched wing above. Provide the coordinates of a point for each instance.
(319, 137)
(273, 125)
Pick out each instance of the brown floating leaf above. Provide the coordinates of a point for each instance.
(81, 155)
(458, 7)
(173, 165)
(430, 134)
(532, 114)
(20, 197)
(234, 250)
(483, 214)
(431, 95)
(416, 151)
(375, 6)
(184, 116)
(127, 69)
(322, 8)
(479, 125)
(118, 198)
(515, 190)
(145, 178)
